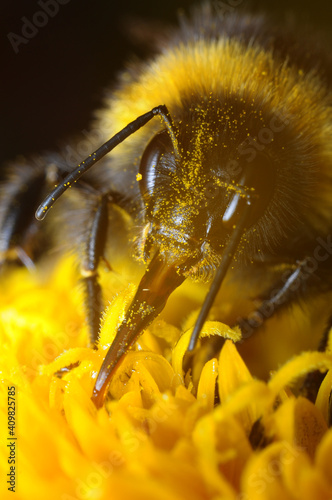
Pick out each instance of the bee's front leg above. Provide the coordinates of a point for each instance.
(298, 285)
(313, 380)
(288, 290)
(22, 239)
(93, 251)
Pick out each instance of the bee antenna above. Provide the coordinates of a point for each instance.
(228, 255)
(92, 159)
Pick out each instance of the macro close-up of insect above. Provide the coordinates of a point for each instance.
(220, 153)
(166, 271)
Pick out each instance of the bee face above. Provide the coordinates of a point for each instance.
(194, 190)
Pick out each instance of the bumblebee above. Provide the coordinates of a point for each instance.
(221, 155)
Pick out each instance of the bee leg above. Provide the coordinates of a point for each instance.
(313, 380)
(93, 252)
(288, 292)
(20, 234)
(22, 238)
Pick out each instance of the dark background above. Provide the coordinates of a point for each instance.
(51, 86)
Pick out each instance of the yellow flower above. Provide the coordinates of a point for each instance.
(164, 433)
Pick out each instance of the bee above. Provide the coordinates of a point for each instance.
(221, 154)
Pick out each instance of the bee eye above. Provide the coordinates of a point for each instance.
(157, 147)
(258, 179)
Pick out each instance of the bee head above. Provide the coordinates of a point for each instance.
(195, 186)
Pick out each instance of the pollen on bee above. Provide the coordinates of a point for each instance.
(139, 177)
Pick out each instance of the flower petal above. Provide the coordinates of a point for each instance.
(209, 329)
